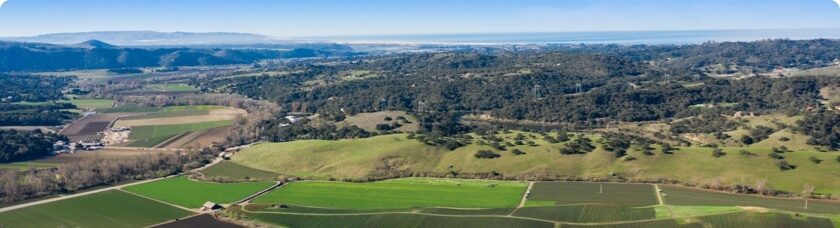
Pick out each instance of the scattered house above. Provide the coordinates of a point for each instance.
(61, 147)
(837, 107)
(90, 145)
(292, 119)
(210, 206)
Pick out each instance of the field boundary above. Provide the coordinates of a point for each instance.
(160, 201)
(658, 193)
(174, 138)
(524, 198)
(258, 194)
(399, 212)
(556, 223)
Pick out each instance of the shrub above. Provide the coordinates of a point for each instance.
(784, 139)
(718, 153)
(746, 153)
(747, 140)
(667, 148)
(784, 165)
(815, 160)
(776, 156)
(486, 154)
(518, 152)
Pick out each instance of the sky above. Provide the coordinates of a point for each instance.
(313, 18)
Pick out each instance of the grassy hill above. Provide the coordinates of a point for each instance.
(696, 165)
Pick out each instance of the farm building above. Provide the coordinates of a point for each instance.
(210, 206)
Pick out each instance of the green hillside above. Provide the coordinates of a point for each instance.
(696, 165)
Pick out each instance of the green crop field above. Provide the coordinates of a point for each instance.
(587, 213)
(395, 220)
(131, 107)
(106, 209)
(192, 194)
(399, 193)
(169, 114)
(234, 171)
(358, 158)
(617, 194)
(23, 166)
(149, 136)
(97, 104)
(694, 197)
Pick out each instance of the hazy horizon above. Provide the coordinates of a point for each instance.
(324, 18)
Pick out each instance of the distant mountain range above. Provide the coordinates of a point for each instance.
(151, 38)
(96, 54)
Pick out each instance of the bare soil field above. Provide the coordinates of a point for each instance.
(204, 220)
(198, 139)
(88, 127)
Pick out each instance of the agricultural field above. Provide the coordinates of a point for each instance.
(587, 213)
(358, 158)
(741, 219)
(675, 195)
(182, 117)
(234, 171)
(203, 220)
(152, 135)
(399, 193)
(95, 104)
(23, 166)
(192, 194)
(172, 88)
(395, 220)
(107, 209)
(88, 128)
(135, 108)
(615, 194)
(319, 204)
(197, 139)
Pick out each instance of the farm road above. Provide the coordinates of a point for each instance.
(19, 206)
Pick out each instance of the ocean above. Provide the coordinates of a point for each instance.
(630, 37)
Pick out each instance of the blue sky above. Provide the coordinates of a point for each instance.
(303, 18)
